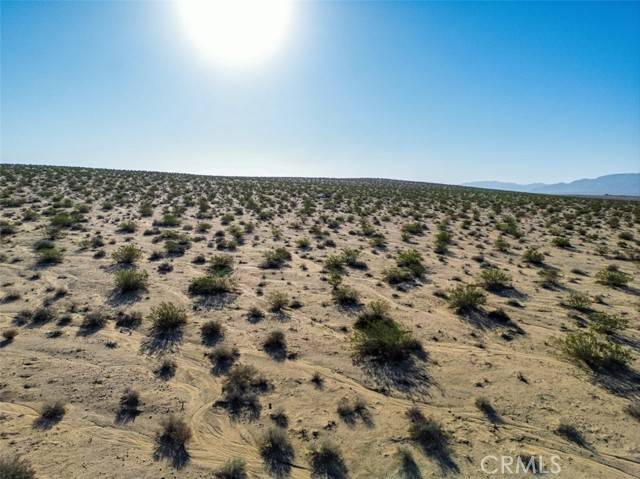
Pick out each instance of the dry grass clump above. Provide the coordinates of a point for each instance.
(51, 413)
(9, 334)
(94, 320)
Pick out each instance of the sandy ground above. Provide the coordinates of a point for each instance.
(530, 384)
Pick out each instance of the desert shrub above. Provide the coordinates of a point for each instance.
(594, 350)
(275, 344)
(427, 433)
(612, 276)
(549, 277)
(350, 410)
(382, 339)
(275, 258)
(577, 300)
(415, 228)
(350, 257)
(278, 300)
(276, 449)
(223, 357)
(167, 221)
(255, 314)
(495, 279)
(51, 412)
(241, 388)
(166, 369)
(211, 331)
(232, 469)
(127, 227)
(221, 265)
(466, 298)
(127, 254)
(411, 260)
(501, 245)
(334, 263)
(129, 401)
(606, 323)
(561, 242)
(9, 334)
(345, 295)
(49, 256)
(303, 243)
(43, 315)
(94, 320)
(533, 256)
(127, 280)
(397, 275)
(167, 317)
(326, 461)
(12, 467)
(210, 285)
(172, 439)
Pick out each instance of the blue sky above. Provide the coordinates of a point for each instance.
(444, 92)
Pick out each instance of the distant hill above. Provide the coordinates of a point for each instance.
(624, 184)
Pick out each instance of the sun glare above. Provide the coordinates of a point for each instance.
(236, 32)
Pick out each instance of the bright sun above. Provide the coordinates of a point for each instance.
(236, 32)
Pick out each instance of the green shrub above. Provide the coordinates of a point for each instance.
(127, 280)
(606, 323)
(127, 227)
(533, 256)
(167, 317)
(221, 265)
(595, 351)
(275, 258)
(466, 298)
(412, 260)
(345, 295)
(210, 285)
(278, 300)
(397, 275)
(495, 279)
(49, 256)
(578, 301)
(612, 276)
(382, 339)
(561, 242)
(127, 254)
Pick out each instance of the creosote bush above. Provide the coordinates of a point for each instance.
(128, 280)
(595, 351)
(211, 285)
(127, 254)
(612, 276)
(167, 317)
(494, 279)
(464, 298)
(533, 256)
(278, 300)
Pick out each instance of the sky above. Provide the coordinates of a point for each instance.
(440, 92)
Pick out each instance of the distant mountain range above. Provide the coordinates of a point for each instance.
(624, 184)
